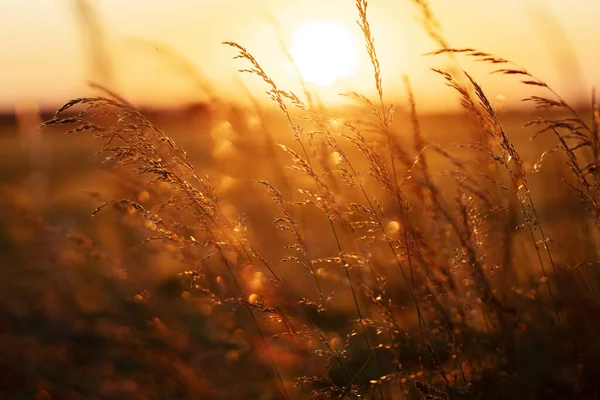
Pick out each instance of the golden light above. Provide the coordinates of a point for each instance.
(324, 52)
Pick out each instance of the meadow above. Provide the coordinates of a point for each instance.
(296, 250)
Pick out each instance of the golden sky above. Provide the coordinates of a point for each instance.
(46, 55)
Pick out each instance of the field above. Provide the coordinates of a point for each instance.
(292, 250)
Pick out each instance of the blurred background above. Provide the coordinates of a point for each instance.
(168, 59)
(51, 49)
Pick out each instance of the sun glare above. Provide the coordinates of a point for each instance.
(324, 52)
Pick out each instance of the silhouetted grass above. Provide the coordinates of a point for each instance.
(395, 266)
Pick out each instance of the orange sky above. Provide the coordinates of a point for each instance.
(44, 57)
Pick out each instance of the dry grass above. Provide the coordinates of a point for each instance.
(394, 267)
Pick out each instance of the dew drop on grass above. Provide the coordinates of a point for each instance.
(392, 227)
(254, 298)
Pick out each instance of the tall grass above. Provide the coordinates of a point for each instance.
(395, 267)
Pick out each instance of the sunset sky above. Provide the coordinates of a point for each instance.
(46, 55)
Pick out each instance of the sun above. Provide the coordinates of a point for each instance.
(324, 52)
